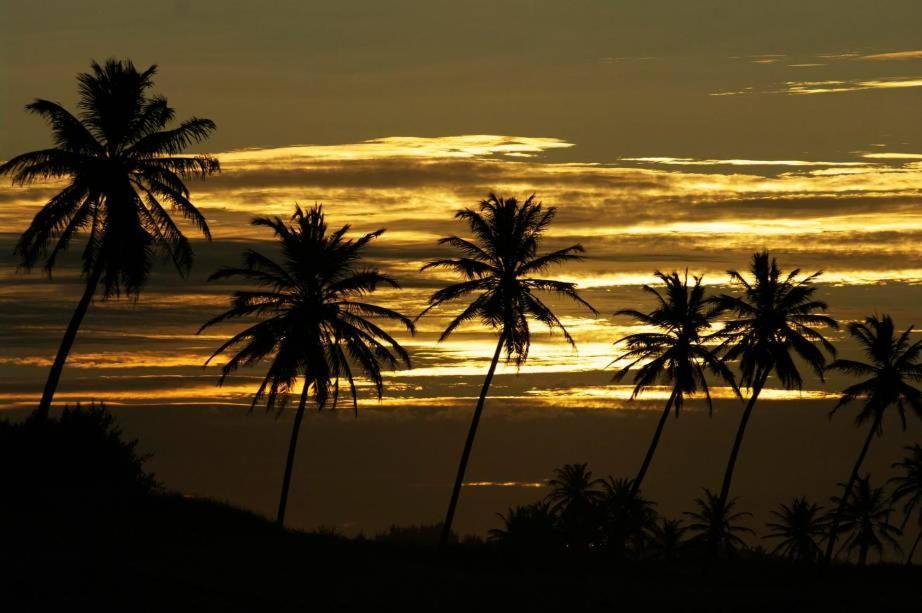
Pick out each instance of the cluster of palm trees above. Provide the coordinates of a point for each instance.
(308, 314)
(610, 517)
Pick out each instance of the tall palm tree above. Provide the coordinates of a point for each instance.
(123, 172)
(716, 526)
(865, 519)
(799, 527)
(497, 265)
(312, 320)
(909, 491)
(892, 366)
(675, 354)
(773, 320)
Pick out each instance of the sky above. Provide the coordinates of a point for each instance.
(669, 135)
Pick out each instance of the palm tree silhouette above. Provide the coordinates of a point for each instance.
(676, 354)
(774, 319)
(716, 527)
(893, 364)
(666, 539)
(531, 527)
(312, 320)
(573, 499)
(121, 167)
(908, 490)
(865, 518)
(496, 266)
(799, 527)
(626, 517)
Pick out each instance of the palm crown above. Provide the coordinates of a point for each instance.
(798, 528)
(865, 517)
(776, 316)
(676, 353)
(496, 266)
(123, 173)
(312, 319)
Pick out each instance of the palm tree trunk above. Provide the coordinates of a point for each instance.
(51, 385)
(863, 554)
(738, 442)
(912, 551)
(290, 462)
(468, 444)
(635, 486)
(834, 528)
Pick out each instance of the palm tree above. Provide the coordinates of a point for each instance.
(531, 527)
(626, 517)
(893, 364)
(312, 322)
(774, 320)
(121, 166)
(496, 266)
(716, 525)
(666, 539)
(574, 499)
(799, 527)
(865, 518)
(675, 354)
(909, 491)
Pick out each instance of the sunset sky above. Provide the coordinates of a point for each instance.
(669, 135)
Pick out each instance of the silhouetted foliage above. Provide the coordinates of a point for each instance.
(574, 499)
(626, 518)
(865, 521)
(799, 527)
(715, 526)
(773, 320)
(676, 354)
(497, 267)
(122, 170)
(666, 540)
(530, 528)
(908, 491)
(893, 365)
(313, 323)
(416, 535)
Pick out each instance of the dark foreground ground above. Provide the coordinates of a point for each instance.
(171, 553)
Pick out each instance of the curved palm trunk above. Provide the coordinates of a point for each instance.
(635, 486)
(738, 442)
(834, 528)
(51, 385)
(290, 462)
(912, 551)
(468, 444)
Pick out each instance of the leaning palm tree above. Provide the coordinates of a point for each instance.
(774, 320)
(798, 527)
(908, 490)
(124, 176)
(312, 321)
(675, 354)
(892, 366)
(716, 526)
(497, 266)
(865, 520)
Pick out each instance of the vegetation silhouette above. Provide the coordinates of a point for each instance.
(312, 321)
(497, 266)
(676, 353)
(893, 364)
(529, 529)
(774, 319)
(666, 539)
(715, 526)
(574, 499)
(864, 517)
(908, 490)
(121, 166)
(799, 527)
(626, 518)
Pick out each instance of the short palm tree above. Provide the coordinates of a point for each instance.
(626, 518)
(908, 490)
(675, 354)
(774, 320)
(892, 367)
(574, 499)
(497, 266)
(799, 527)
(124, 176)
(531, 528)
(312, 322)
(715, 526)
(865, 520)
(666, 539)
